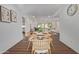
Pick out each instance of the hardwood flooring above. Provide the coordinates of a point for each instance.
(23, 48)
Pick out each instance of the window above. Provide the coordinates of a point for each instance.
(43, 26)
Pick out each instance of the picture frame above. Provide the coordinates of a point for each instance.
(13, 16)
(4, 14)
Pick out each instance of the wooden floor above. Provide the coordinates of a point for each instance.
(61, 48)
(22, 48)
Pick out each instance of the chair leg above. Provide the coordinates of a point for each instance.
(53, 46)
(49, 51)
(33, 51)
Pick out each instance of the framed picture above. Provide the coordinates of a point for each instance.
(13, 16)
(4, 14)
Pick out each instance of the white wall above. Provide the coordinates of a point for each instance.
(69, 26)
(57, 27)
(10, 33)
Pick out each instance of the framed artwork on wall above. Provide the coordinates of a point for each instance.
(13, 16)
(4, 14)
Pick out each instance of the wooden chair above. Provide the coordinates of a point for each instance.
(41, 45)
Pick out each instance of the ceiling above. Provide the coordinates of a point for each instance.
(39, 9)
